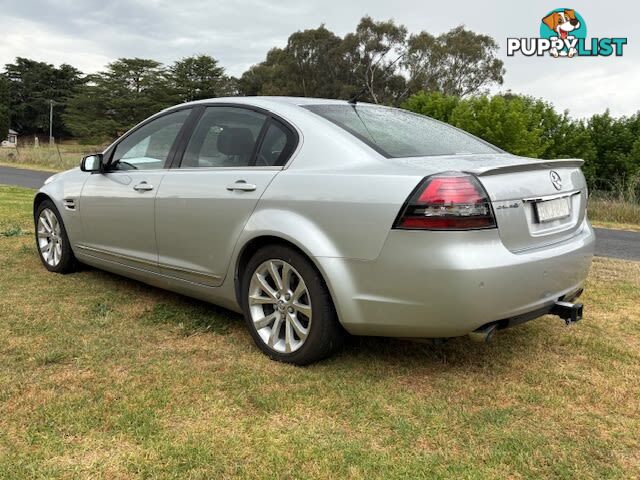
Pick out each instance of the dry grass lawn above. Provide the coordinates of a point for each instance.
(62, 157)
(615, 214)
(102, 377)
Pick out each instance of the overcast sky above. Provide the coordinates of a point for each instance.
(91, 33)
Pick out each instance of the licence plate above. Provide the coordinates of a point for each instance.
(550, 210)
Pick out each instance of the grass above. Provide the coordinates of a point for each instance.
(614, 213)
(103, 377)
(619, 207)
(62, 157)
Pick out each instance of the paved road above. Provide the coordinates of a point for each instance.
(609, 243)
(22, 177)
(617, 244)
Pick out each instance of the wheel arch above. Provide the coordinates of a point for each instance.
(258, 242)
(38, 199)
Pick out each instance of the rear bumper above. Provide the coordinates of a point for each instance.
(446, 284)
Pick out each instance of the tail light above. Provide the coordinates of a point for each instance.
(447, 201)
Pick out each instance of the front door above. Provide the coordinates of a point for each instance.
(203, 205)
(117, 207)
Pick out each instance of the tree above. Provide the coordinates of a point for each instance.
(311, 65)
(432, 104)
(113, 101)
(616, 148)
(374, 52)
(316, 62)
(459, 62)
(378, 63)
(518, 124)
(32, 87)
(421, 62)
(199, 77)
(506, 122)
(4, 107)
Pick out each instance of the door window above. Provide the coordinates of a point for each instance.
(224, 137)
(276, 147)
(148, 147)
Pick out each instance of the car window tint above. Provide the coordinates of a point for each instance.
(148, 147)
(224, 137)
(398, 133)
(274, 149)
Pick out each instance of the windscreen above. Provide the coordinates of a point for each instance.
(398, 133)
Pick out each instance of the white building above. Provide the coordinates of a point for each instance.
(12, 139)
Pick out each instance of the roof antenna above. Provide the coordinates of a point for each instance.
(354, 99)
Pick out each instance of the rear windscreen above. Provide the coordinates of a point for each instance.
(398, 133)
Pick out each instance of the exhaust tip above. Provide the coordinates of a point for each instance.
(483, 334)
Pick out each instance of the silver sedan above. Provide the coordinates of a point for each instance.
(315, 217)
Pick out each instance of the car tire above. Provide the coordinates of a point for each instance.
(310, 313)
(52, 242)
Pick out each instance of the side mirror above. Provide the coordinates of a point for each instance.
(92, 163)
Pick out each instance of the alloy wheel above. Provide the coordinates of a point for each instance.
(49, 237)
(280, 306)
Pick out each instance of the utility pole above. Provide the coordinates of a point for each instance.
(51, 122)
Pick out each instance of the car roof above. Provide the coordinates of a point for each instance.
(252, 100)
(287, 107)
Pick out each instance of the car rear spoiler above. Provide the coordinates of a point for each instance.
(533, 165)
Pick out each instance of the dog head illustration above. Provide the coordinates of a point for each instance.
(563, 22)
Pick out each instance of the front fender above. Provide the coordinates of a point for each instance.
(65, 186)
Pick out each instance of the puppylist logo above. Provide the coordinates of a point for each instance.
(563, 33)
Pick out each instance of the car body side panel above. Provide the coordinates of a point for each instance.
(118, 220)
(198, 219)
(334, 214)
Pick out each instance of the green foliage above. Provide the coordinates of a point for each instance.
(442, 76)
(510, 123)
(617, 148)
(458, 62)
(132, 89)
(531, 127)
(32, 86)
(374, 53)
(378, 62)
(311, 65)
(432, 104)
(4, 107)
(199, 77)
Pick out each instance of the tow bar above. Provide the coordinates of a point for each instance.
(569, 312)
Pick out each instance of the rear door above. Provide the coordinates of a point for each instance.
(205, 200)
(117, 207)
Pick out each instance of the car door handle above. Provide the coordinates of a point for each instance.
(143, 187)
(242, 186)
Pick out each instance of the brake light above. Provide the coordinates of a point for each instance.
(447, 201)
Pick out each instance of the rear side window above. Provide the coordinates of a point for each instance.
(277, 145)
(397, 133)
(224, 137)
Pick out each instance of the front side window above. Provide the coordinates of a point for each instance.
(397, 133)
(224, 137)
(148, 147)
